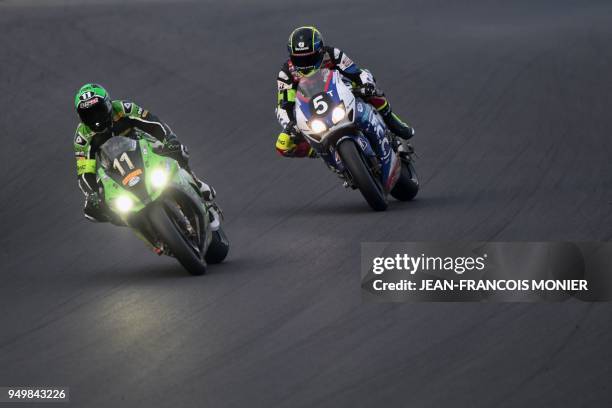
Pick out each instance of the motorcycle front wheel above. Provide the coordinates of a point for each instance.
(169, 232)
(361, 175)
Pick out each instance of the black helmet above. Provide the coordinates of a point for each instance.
(94, 107)
(306, 48)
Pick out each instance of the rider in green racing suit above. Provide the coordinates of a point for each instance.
(102, 119)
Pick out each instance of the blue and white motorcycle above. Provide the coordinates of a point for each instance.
(353, 140)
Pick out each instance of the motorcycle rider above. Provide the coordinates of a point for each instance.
(102, 119)
(307, 52)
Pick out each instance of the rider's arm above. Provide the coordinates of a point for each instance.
(286, 97)
(349, 69)
(144, 120)
(289, 143)
(85, 161)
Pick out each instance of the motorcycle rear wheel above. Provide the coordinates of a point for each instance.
(218, 248)
(407, 185)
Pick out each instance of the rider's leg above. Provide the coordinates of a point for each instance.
(393, 122)
(206, 191)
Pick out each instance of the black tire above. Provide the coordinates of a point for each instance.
(172, 236)
(407, 185)
(218, 248)
(363, 179)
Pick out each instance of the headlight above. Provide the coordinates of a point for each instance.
(124, 203)
(338, 114)
(318, 126)
(159, 178)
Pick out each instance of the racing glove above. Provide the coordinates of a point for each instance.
(292, 130)
(174, 149)
(301, 144)
(171, 145)
(368, 90)
(93, 201)
(93, 208)
(291, 143)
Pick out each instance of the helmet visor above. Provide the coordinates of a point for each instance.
(97, 115)
(305, 62)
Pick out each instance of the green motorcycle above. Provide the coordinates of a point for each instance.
(159, 200)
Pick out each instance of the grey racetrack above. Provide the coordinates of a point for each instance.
(512, 105)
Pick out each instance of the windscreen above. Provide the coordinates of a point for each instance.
(315, 84)
(114, 147)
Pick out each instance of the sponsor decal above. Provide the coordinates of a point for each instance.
(384, 144)
(80, 140)
(362, 143)
(127, 107)
(283, 75)
(282, 86)
(133, 181)
(89, 103)
(366, 77)
(126, 181)
(345, 62)
(301, 46)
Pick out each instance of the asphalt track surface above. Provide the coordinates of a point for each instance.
(512, 106)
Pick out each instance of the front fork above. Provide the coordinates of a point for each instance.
(333, 161)
(139, 228)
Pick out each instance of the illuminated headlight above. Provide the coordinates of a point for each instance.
(338, 114)
(159, 178)
(318, 126)
(124, 203)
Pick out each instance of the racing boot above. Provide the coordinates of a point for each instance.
(395, 124)
(405, 149)
(401, 146)
(207, 192)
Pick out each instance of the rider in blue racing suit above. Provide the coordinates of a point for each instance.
(307, 52)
